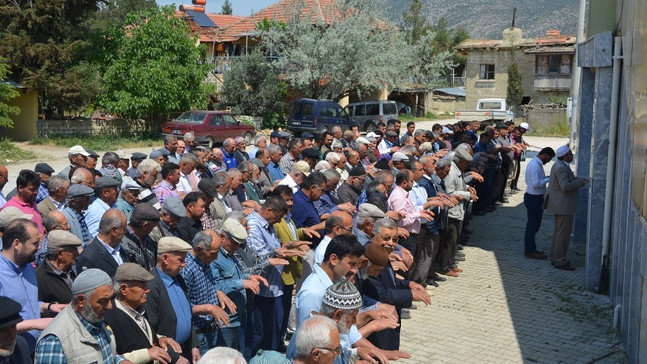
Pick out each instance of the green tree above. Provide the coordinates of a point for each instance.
(415, 22)
(113, 12)
(515, 88)
(347, 49)
(253, 87)
(151, 66)
(43, 41)
(7, 92)
(226, 8)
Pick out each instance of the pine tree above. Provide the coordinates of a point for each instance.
(226, 8)
(515, 88)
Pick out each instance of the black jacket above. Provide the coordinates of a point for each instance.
(95, 255)
(160, 313)
(51, 287)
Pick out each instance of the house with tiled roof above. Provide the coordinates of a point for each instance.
(546, 65)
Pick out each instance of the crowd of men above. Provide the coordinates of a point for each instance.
(325, 239)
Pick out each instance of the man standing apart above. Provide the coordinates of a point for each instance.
(533, 199)
(562, 201)
(25, 199)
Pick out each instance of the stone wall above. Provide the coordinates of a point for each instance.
(444, 105)
(90, 128)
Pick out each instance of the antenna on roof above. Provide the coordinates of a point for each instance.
(514, 16)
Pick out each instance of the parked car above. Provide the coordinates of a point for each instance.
(209, 127)
(487, 110)
(370, 113)
(318, 116)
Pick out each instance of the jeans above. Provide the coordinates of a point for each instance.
(208, 340)
(534, 208)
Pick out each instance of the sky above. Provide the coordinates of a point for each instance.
(240, 7)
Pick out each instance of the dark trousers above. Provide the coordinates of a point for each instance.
(286, 302)
(482, 203)
(501, 180)
(534, 208)
(490, 179)
(422, 257)
(449, 244)
(411, 243)
(513, 183)
(267, 319)
(435, 246)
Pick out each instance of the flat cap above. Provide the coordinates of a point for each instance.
(382, 164)
(11, 213)
(132, 272)
(89, 280)
(149, 197)
(59, 238)
(145, 212)
(371, 135)
(257, 162)
(208, 186)
(123, 155)
(357, 171)
(79, 190)
(310, 153)
(92, 153)
(172, 244)
(138, 156)
(174, 206)
(370, 210)
(562, 151)
(447, 130)
(239, 139)
(307, 135)
(155, 154)
(234, 229)
(165, 152)
(377, 254)
(391, 133)
(129, 184)
(284, 134)
(399, 157)
(275, 134)
(77, 149)
(105, 182)
(43, 168)
(10, 314)
(303, 167)
(362, 140)
(463, 154)
(426, 147)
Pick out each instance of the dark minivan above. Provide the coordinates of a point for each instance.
(318, 116)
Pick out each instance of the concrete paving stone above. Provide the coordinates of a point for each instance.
(508, 309)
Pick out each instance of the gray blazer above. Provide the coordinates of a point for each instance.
(562, 189)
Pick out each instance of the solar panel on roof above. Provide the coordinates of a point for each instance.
(201, 19)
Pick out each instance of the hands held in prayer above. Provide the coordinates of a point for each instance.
(219, 314)
(309, 232)
(371, 355)
(419, 293)
(477, 177)
(278, 261)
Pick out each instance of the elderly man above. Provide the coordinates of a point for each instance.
(109, 162)
(260, 142)
(389, 143)
(297, 174)
(25, 199)
(562, 201)
(147, 172)
(55, 274)
(77, 156)
(128, 197)
(104, 252)
(172, 213)
(79, 331)
(170, 144)
(134, 338)
(137, 246)
(228, 148)
(231, 198)
(265, 181)
(203, 294)
(107, 194)
(168, 308)
(135, 159)
(231, 280)
(57, 187)
(268, 308)
(239, 153)
(318, 341)
(78, 200)
(350, 190)
(44, 172)
(13, 348)
(18, 280)
(188, 179)
(276, 154)
(189, 140)
(217, 163)
(295, 147)
(169, 185)
(367, 214)
(339, 223)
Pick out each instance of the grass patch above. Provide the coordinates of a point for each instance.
(101, 142)
(12, 154)
(557, 128)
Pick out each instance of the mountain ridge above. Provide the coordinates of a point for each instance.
(486, 19)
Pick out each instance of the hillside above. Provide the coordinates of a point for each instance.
(486, 19)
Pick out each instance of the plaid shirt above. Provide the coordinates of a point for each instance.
(42, 193)
(202, 288)
(207, 221)
(50, 351)
(164, 190)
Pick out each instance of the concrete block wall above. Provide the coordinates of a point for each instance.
(90, 128)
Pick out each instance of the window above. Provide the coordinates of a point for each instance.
(554, 64)
(307, 109)
(487, 72)
(360, 110)
(373, 109)
(216, 119)
(329, 111)
(389, 108)
(229, 120)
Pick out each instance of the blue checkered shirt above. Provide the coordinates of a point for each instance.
(50, 351)
(201, 286)
(84, 227)
(42, 193)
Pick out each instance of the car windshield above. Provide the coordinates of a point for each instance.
(191, 117)
(389, 108)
